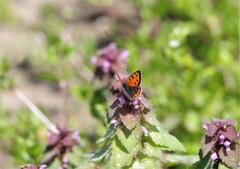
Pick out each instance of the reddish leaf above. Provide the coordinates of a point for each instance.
(129, 120)
(230, 158)
(230, 133)
(207, 144)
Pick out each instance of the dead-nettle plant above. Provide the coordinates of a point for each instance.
(59, 145)
(107, 62)
(134, 138)
(220, 145)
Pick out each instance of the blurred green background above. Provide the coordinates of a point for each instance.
(187, 50)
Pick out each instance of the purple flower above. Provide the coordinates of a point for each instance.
(220, 135)
(205, 126)
(108, 61)
(115, 122)
(42, 166)
(135, 103)
(121, 101)
(222, 138)
(214, 156)
(227, 145)
(144, 130)
(60, 144)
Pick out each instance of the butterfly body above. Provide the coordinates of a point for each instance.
(131, 86)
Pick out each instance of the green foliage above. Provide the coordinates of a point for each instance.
(160, 137)
(187, 51)
(81, 92)
(147, 163)
(129, 139)
(98, 105)
(6, 81)
(7, 15)
(110, 131)
(119, 156)
(124, 146)
(25, 145)
(188, 54)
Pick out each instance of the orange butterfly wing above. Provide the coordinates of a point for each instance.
(137, 93)
(134, 80)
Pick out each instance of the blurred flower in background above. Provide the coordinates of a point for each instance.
(109, 61)
(60, 144)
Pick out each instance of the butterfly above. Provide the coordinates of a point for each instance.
(131, 86)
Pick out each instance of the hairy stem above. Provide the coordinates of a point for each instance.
(36, 111)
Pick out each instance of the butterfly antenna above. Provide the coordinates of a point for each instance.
(120, 80)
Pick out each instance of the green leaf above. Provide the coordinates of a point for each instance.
(152, 151)
(151, 119)
(110, 131)
(4, 64)
(161, 137)
(168, 142)
(119, 157)
(146, 163)
(129, 139)
(82, 91)
(101, 153)
(205, 162)
(48, 76)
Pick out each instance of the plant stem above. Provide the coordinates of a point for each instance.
(36, 111)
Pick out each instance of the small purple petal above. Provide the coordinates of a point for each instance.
(49, 134)
(227, 145)
(106, 66)
(75, 135)
(94, 60)
(112, 46)
(65, 159)
(115, 122)
(136, 106)
(120, 105)
(144, 130)
(123, 55)
(134, 102)
(121, 99)
(214, 156)
(65, 165)
(228, 149)
(205, 126)
(221, 137)
(42, 166)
